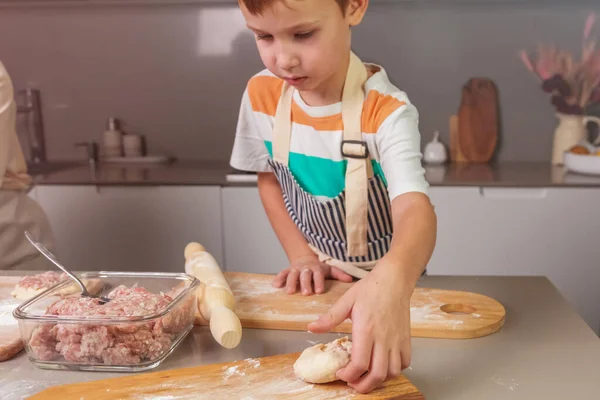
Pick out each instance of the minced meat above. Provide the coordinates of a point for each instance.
(42, 281)
(114, 344)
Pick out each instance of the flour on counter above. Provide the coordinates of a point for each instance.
(22, 389)
(176, 391)
(251, 387)
(510, 385)
(252, 288)
(252, 362)
(167, 397)
(274, 314)
(6, 309)
(235, 370)
(164, 398)
(424, 312)
(232, 371)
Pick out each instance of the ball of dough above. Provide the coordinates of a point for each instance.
(320, 363)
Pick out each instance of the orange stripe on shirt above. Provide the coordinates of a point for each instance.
(376, 108)
(264, 92)
(328, 123)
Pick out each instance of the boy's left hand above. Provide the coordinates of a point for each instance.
(379, 307)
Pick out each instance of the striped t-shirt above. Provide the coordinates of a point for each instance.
(389, 127)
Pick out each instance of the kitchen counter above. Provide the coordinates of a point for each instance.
(504, 174)
(544, 351)
(176, 173)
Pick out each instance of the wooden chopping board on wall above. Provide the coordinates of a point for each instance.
(268, 378)
(478, 120)
(435, 313)
(10, 337)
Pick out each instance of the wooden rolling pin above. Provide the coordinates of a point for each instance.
(215, 298)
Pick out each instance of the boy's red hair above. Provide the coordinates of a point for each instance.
(258, 6)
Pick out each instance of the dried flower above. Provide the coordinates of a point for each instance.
(573, 85)
(557, 84)
(589, 24)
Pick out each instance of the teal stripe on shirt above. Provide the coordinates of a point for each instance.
(321, 176)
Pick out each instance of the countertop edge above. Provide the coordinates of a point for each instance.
(218, 173)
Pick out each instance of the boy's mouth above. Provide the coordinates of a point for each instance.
(295, 80)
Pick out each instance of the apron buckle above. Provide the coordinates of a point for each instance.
(354, 152)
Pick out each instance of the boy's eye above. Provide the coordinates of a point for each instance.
(263, 37)
(304, 35)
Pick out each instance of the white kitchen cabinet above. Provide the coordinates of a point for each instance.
(454, 252)
(523, 231)
(134, 228)
(249, 241)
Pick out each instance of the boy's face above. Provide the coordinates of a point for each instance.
(305, 42)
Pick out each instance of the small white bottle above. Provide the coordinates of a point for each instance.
(113, 139)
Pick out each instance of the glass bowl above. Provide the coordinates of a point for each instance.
(148, 317)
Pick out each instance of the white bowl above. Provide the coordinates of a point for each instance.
(582, 163)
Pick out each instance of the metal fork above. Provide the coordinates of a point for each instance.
(42, 249)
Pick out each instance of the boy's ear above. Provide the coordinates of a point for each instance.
(355, 11)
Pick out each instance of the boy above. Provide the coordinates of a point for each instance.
(337, 151)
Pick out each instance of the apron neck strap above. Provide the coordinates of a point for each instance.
(282, 127)
(353, 97)
(356, 152)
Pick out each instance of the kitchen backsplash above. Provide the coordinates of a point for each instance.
(175, 74)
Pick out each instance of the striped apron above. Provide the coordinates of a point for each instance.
(353, 230)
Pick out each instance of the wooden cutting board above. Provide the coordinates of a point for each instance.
(10, 337)
(267, 378)
(455, 154)
(478, 120)
(435, 313)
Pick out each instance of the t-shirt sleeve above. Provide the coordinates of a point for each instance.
(249, 149)
(398, 142)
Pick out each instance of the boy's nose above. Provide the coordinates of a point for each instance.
(287, 59)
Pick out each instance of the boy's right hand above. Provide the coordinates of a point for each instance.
(308, 270)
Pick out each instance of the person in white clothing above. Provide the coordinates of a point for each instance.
(18, 211)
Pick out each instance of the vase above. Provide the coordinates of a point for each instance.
(571, 130)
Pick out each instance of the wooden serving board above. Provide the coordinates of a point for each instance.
(10, 337)
(435, 313)
(267, 378)
(478, 120)
(455, 154)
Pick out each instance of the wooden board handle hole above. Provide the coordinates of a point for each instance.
(458, 309)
